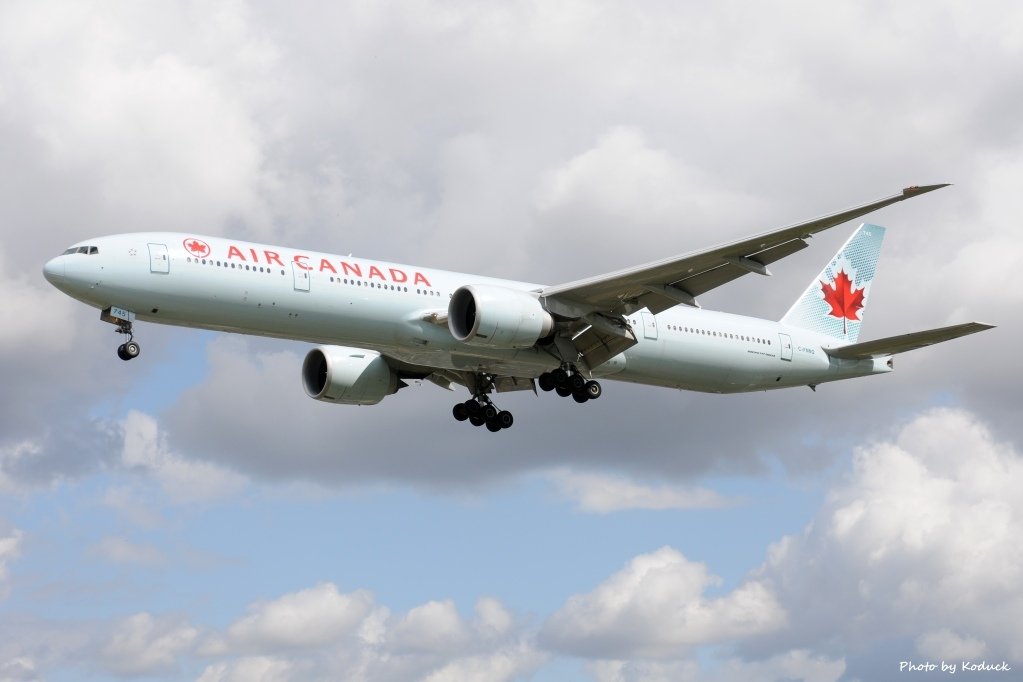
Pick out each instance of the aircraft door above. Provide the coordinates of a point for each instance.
(159, 261)
(301, 277)
(786, 346)
(649, 325)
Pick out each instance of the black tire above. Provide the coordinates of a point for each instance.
(493, 426)
(546, 382)
(505, 419)
(132, 349)
(593, 390)
(473, 408)
(560, 377)
(121, 353)
(489, 412)
(580, 396)
(460, 412)
(563, 391)
(576, 382)
(477, 420)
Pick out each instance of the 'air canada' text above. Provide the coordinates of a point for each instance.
(384, 274)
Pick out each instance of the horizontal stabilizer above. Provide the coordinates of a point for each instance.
(905, 342)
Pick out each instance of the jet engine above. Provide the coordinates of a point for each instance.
(348, 376)
(491, 316)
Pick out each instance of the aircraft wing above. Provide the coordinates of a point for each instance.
(899, 344)
(663, 284)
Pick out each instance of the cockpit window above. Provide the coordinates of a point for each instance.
(71, 250)
(89, 250)
(93, 250)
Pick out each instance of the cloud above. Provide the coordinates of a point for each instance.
(920, 538)
(602, 494)
(943, 644)
(10, 549)
(184, 481)
(119, 550)
(321, 633)
(656, 607)
(142, 644)
(306, 619)
(797, 665)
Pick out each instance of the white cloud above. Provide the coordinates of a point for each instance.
(306, 619)
(18, 669)
(119, 550)
(503, 665)
(433, 626)
(142, 644)
(923, 537)
(184, 481)
(945, 645)
(601, 493)
(251, 669)
(10, 549)
(656, 607)
(792, 666)
(153, 108)
(321, 633)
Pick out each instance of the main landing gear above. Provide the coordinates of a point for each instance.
(480, 410)
(130, 349)
(567, 381)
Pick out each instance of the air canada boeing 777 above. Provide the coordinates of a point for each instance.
(380, 324)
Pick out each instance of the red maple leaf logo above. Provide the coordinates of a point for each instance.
(197, 247)
(845, 300)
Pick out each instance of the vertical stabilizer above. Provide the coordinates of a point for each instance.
(835, 301)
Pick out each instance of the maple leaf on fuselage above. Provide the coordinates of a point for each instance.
(845, 300)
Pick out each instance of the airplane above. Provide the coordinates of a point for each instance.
(380, 324)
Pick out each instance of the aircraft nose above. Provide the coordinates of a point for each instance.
(53, 271)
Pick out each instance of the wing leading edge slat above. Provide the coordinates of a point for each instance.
(697, 272)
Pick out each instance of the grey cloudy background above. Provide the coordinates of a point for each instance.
(544, 142)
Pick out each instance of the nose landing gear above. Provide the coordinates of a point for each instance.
(130, 349)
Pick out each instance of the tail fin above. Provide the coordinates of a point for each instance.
(835, 301)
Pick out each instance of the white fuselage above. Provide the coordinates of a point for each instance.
(234, 286)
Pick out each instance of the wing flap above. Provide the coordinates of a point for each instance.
(905, 342)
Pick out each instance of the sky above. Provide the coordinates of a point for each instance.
(192, 515)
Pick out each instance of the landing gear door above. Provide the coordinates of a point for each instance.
(159, 262)
(786, 346)
(301, 277)
(649, 325)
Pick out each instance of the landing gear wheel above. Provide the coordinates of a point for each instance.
(576, 382)
(563, 391)
(479, 409)
(580, 396)
(546, 382)
(121, 353)
(132, 349)
(560, 377)
(593, 390)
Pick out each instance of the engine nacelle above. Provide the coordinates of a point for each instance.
(497, 317)
(349, 376)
